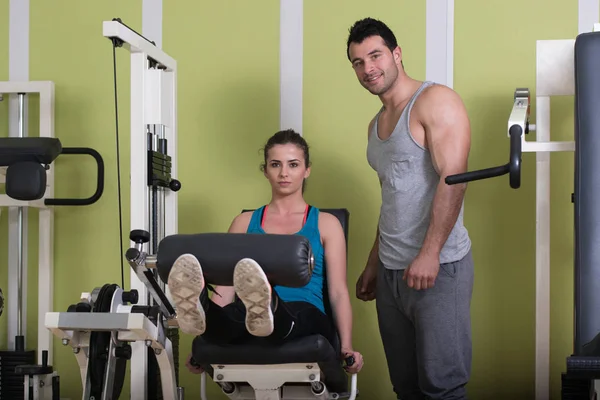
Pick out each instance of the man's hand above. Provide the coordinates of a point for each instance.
(421, 273)
(367, 283)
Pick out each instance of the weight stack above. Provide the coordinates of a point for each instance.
(11, 384)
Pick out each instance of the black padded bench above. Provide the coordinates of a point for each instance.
(28, 159)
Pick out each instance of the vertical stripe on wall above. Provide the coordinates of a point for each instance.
(290, 64)
(589, 14)
(439, 41)
(152, 21)
(18, 70)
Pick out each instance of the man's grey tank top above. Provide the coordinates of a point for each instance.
(408, 185)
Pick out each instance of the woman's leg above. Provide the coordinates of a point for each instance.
(269, 316)
(297, 319)
(196, 313)
(224, 325)
(254, 290)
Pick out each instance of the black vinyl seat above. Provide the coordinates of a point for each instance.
(309, 349)
(29, 149)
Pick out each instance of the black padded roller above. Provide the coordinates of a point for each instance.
(286, 259)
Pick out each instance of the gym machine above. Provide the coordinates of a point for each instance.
(27, 172)
(110, 325)
(564, 68)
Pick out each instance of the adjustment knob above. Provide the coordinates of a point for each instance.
(139, 236)
(132, 254)
(175, 185)
(130, 297)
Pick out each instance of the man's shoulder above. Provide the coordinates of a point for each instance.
(437, 95)
(437, 101)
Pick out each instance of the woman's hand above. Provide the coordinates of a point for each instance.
(192, 368)
(357, 360)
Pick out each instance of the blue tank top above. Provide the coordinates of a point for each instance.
(312, 292)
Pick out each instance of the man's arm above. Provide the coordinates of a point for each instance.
(448, 137)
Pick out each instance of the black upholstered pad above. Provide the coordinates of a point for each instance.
(312, 348)
(37, 149)
(285, 259)
(257, 351)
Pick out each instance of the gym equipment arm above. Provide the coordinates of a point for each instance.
(518, 123)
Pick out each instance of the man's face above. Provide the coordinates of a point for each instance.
(376, 67)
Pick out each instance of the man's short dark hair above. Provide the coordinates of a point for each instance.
(368, 27)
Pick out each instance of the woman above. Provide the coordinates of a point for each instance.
(277, 313)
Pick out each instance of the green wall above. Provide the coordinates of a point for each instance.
(228, 99)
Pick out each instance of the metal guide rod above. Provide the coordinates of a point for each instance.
(20, 239)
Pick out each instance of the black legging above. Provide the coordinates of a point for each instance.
(292, 320)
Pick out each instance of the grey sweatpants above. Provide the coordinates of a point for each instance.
(426, 334)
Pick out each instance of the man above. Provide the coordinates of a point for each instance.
(420, 269)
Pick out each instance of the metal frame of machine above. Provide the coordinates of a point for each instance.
(555, 76)
(18, 231)
(153, 123)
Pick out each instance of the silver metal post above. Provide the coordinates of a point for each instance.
(20, 242)
(161, 201)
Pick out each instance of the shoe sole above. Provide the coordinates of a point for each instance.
(253, 288)
(186, 282)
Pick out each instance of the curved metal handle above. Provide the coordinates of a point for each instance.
(514, 164)
(513, 168)
(99, 183)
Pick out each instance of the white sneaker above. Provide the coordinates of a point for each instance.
(253, 289)
(186, 282)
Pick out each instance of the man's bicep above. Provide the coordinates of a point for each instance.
(448, 132)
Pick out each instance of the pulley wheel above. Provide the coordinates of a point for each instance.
(99, 346)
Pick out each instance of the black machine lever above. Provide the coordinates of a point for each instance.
(518, 124)
(137, 260)
(99, 183)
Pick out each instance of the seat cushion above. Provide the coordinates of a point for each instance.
(258, 351)
(38, 149)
